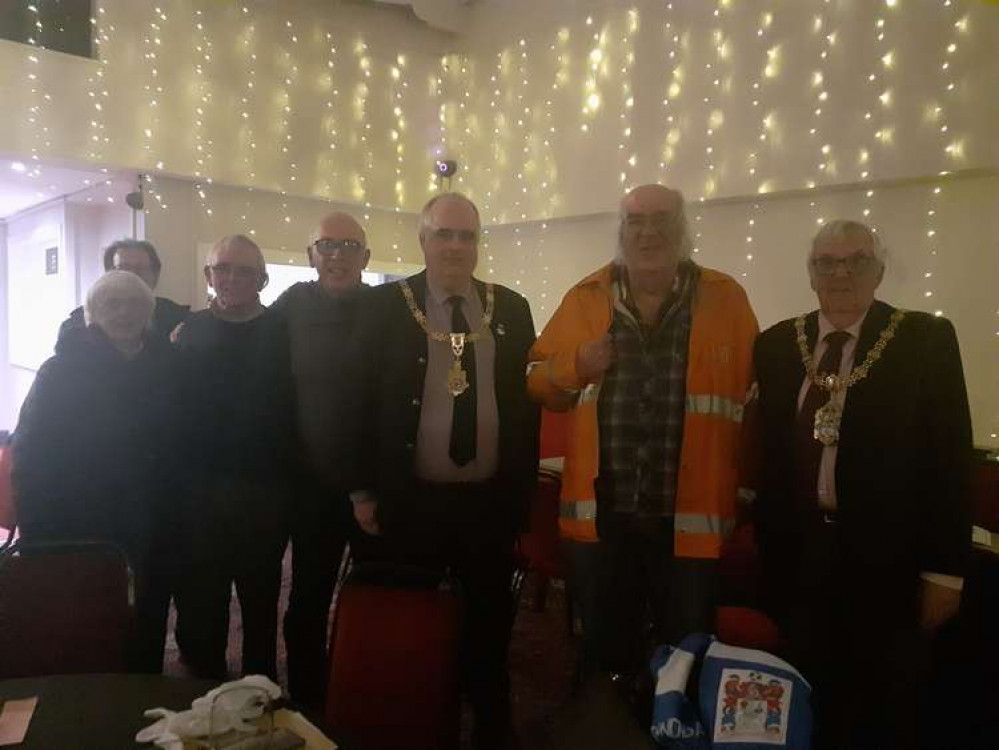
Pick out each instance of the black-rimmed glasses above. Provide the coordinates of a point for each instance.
(349, 248)
(856, 264)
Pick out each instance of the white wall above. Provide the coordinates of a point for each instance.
(36, 302)
(961, 256)
(6, 417)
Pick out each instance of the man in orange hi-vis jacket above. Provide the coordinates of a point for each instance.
(652, 357)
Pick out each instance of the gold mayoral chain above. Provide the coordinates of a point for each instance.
(457, 378)
(828, 417)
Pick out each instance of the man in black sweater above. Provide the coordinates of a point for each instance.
(244, 442)
(321, 317)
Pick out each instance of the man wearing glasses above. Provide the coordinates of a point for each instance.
(450, 440)
(651, 355)
(863, 507)
(321, 316)
(242, 450)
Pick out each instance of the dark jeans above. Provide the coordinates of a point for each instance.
(585, 567)
(319, 526)
(465, 529)
(238, 537)
(640, 583)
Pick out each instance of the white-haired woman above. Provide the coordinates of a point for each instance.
(95, 446)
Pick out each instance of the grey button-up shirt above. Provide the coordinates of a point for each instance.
(432, 461)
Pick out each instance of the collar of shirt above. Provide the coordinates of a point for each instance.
(441, 297)
(825, 327)
(686, 273)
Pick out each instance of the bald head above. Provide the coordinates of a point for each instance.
(652, 233)
(340, 226)
(339, 252)
(647, 199)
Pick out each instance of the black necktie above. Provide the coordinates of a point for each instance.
(810, 449)
(463, 429)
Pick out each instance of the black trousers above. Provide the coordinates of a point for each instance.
(645, 596)
(853, 634)
(238, 537)
(467, 530)
(319, 524)
(155, 580)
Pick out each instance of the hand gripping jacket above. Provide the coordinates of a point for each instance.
(743, 700)
(719, 376)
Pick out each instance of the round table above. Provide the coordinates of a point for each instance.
(97, 712)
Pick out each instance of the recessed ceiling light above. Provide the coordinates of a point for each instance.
(18, 166)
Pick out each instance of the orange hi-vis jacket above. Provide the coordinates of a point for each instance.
(719, 379)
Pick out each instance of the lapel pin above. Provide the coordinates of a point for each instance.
(500, 330)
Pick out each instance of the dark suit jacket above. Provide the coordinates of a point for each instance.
(902, 469)
(390, 383)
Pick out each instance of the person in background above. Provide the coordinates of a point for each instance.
(139, 257)
(863, 508)
(321, 317)
(240, 393)
(652, 357)
(448, 447)
(97, 448)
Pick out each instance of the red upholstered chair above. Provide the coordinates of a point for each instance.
(394, 672)
(64, 608)
(540, 546)
(985, 492)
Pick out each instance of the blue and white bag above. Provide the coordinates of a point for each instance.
(745, 699)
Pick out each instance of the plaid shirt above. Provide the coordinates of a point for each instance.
(640, 407)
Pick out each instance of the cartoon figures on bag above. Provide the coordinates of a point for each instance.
(774, 693)
(750, 705)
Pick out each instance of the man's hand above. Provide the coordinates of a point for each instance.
(366, 512)
(594, 358)
(939, 604)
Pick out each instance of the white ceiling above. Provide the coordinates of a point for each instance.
(24, 184)
(448, 15)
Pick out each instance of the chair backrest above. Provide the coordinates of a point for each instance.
(541, 544)
(64, 609)
(394, 667)
(7, 515)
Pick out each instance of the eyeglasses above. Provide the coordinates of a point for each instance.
(243, 273)
(661, 223)
(346, 248)
(443, 234)
(857, 264)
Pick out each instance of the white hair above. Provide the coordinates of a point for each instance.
(682, 238)
(839, 230)
(238, 239)
(118, 282)
(426, 215)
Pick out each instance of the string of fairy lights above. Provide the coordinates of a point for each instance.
(512, 113)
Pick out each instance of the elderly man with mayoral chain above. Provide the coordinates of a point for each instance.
(862, 511)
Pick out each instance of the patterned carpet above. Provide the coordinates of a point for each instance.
(541, 658)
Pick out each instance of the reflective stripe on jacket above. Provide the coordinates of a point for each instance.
(719, 375)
